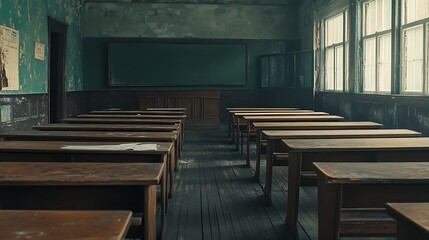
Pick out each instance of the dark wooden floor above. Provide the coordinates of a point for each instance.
(217, 197)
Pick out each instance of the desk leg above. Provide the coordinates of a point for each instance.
(229, 125)
(150, 212)
(171, 169)
(237, 137)
(176, 155)
(269, 173)
(294, 183)
(164, 203)
(258, 155)
(329, 209)
(248, 145)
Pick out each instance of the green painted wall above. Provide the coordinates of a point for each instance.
(95, 62)
(29, 17)
(266, 29)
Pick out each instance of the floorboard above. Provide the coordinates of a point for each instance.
(217, 197)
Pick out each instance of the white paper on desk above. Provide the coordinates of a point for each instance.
(125, 146)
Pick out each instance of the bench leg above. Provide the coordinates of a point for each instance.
(329, 209)
(294, 183)
(269, 174)
(258, 155)
(150, 213)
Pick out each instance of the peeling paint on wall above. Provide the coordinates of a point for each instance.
(5, 113)
(30, 19)
(190, 21)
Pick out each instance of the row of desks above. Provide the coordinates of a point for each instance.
(343, 187)
(93, 167)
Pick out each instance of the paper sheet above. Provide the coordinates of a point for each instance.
(125, 146)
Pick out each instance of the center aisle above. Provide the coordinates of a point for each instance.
(217, 197)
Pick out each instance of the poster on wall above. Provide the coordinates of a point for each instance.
(9, 50)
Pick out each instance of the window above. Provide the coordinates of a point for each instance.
(415, 60)
(334, 46)
(376, 42)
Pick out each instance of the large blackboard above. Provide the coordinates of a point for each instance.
(177, 64)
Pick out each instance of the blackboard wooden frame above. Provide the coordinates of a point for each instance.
(185, 42)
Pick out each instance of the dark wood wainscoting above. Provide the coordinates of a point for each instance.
(202, 106)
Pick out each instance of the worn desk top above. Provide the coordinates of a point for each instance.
(88, 135)
(305, 113)
(315, 125)
(344, 133)
(65, 173)
(358, 144)
(166, 109)
(57, 146)
(53, 225)
(374, 172)
(415, 213)
(157, 112)
(292, 118)
(131, 116)
(259, 109)
(106, 127)
(121, 120)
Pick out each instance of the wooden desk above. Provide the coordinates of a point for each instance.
(105, 120)
(115, 128)
(250, 120)
(87, 136)
(130, 116)
(260, 126)
(68, 225)
(83, 186)
(412, 220)
(107, 127)
(274, 144)
(122, 112)
(346, 190)
(303, 152)
(231, 111)
(122, 121)
(166, 109)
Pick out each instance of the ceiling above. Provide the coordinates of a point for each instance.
(250, 2)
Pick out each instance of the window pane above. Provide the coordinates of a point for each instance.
(413, 59)
(329, 69)
(384, 63)
(339, 67)
(369, 18)
(384, 13)
(369, 65)
(427, 51)
(414, 10)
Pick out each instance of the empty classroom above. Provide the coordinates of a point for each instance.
(214, 119)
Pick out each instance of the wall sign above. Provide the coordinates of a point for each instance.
(39, 51)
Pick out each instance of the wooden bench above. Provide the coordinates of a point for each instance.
(240, 125)
(115, 128)
(310, 117)
(412, 220)
(131, 112)
(276, 147)
(87, 136)
(59, 151)
(260, 126)
(67, 225)
(231, 112)
(130, 121)
(166, 109)
(303, 152)
(84, 186)
(352, 196)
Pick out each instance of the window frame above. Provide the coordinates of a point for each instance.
(404, 27)
(376, 35)
(343, 44)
